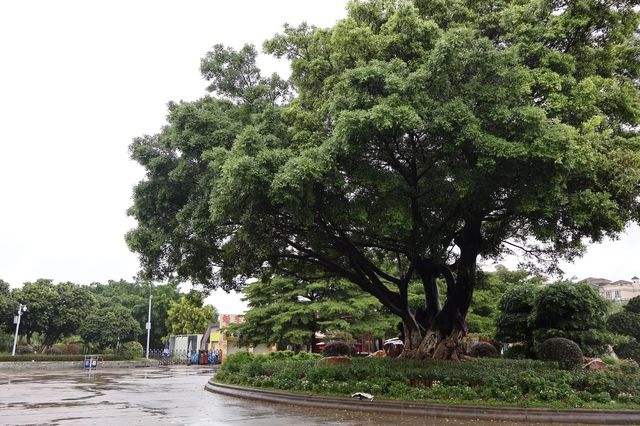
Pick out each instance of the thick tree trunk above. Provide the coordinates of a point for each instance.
(440, 332)
(435, 342)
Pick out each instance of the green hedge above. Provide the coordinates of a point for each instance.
(62, 357)
(484, 381)
(131, 350)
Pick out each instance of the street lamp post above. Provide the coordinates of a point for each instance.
(21, 310)
(149, 323)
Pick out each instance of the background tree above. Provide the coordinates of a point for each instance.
(189, 316)
(134, 296)
(107, 326)
(290, 311)
(627, 321)
(573, 311)
(423, 133)
(39, 296)
(54, 310)
(633, 305)
(512, 323)
(490, 288)
(8, 308)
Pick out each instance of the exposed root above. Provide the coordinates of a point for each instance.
(449, 348)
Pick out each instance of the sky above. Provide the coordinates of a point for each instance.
(80, 79)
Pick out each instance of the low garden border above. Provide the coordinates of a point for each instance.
(539, 415)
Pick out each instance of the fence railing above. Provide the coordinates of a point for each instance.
(181, 357)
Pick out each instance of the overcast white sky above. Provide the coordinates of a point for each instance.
(80, 79)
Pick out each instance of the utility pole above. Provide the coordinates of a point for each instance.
(149, 322)
(21, 309)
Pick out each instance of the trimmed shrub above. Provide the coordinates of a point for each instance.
(336, 348)
(25, 349)
(566, 352)
(235, 361)
(573, 311)
(633, 305)
(43, 357)
(131, 350)
(515, 306)
(53, 351)
(625, 323)
(72, 349)
(517, 352)
(483, 350)
(629, 350)
(281, 354)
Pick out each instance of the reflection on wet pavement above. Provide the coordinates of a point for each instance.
(173, 396)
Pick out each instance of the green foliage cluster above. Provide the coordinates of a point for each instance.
(429, 133)
(131, 350)
(490, 287)
(102, 315)
(484, 381)
(114, 296)
(289, 311)
(633, 305)
(8, 308)
(518, 352)
(627, 321)
(107, 326)
(529, 315)
(564, 351)
(573, 311)
(336, 348)
(238, 361)
(54, 310)
(628, 350)
(189, 316)
(483, 350)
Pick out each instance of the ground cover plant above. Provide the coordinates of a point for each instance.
(494, 382)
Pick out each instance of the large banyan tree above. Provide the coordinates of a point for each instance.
(411, 140)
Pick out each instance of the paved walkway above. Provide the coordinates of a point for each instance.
(158, 396)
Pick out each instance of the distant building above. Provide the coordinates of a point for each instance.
(617, 291)
(216, 340)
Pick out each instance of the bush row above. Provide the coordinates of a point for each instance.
(45, 357)
(484, 381)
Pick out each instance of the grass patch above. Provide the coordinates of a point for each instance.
(489, 382)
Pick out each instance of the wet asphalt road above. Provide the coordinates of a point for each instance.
(155, 396)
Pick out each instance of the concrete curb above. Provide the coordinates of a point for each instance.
(538, 415)
(75, 365)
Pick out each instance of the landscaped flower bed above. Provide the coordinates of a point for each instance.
(492, 382)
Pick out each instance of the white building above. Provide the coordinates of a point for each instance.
(617, 291)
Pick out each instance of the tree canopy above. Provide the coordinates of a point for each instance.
(189, 315)
(421, 133)
(54, 310)
(289, 311)
(134, 296)
(106, 327)
(627, 321)
(8, 306)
